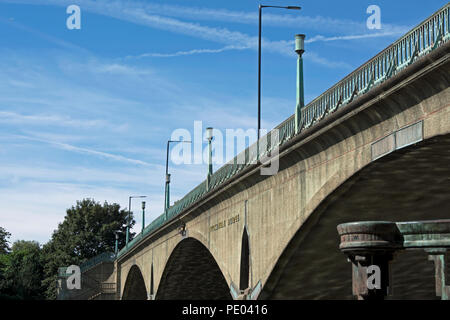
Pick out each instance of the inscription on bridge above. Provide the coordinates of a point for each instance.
(224, 223)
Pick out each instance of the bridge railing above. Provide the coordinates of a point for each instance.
(102, 257)
(418, 42)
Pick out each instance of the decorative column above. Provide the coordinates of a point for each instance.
(370, 247)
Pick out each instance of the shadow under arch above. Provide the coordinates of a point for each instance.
(191, 273)
(244, 278)
(410, 184)
(134, 288)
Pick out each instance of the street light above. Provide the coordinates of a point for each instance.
(166, 189)
(259, 57)
(300, 49)
(143, 216)
(116, 249)
(209, 137)
(129, 216)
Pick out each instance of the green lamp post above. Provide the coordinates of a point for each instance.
(299, 49)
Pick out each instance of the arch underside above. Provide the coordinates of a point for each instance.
(410, 184)
(192, 273)
(134, 288)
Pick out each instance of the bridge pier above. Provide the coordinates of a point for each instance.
(371, 246)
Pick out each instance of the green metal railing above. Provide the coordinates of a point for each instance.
(421, 40)
(424, 38)
(102, 257)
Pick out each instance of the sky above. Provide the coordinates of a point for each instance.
(86, 113)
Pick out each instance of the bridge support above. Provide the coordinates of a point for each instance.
(371, 246)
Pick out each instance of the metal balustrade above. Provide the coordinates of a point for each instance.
(102, 257)
(420, 41)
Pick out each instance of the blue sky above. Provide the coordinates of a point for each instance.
(87, 113)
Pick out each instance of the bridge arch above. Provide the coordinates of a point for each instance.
(408, 184)
(134, 288)
(192, 273)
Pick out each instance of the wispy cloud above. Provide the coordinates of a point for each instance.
(186, 53)
(59, 42)
(351, 37)
(297, 19)
(161, 17)
(120, 69)
(42, 119)
(69, 147)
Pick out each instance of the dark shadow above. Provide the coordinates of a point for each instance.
(134, 285)
(245, 262)
(152, 292)
(192, 273)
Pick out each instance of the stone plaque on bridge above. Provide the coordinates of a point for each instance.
(409, 135)
(383, 146)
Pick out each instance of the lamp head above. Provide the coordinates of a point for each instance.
(209, 133)
(300, 43)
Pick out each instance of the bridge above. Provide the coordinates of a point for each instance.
(374, 147)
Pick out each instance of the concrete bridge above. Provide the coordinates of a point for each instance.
(376, 146)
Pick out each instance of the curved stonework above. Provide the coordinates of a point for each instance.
(134, 288)
(192, 273)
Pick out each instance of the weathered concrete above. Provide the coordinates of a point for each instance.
(329, 174)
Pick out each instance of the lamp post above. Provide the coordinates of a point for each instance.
(259, 56)
(129, 217)
(116, 249)
(143, 216)
(209, 137)
(167, 185)
(299, 48)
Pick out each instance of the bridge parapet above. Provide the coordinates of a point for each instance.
(421, 40)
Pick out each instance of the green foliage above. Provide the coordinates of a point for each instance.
(22, 271)
(88, 229)
(28, 271)
(4, 235)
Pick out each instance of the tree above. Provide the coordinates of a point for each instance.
(4, 262)
(4, 235)
(88, 229)
(23, 271)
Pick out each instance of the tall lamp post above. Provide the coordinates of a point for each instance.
(259, 57)
(300, 49)
(209, 137)
(129, 217)
(167, 185)
(143, 216)
(116, 249)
